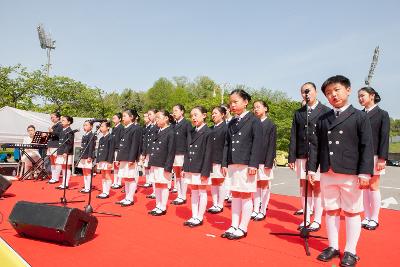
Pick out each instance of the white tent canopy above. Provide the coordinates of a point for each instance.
(13, 124)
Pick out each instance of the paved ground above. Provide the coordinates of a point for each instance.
(285, 183)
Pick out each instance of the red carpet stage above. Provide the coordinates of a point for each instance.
(138, 239)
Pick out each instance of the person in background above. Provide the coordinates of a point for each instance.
(33, 153)
(380, 125)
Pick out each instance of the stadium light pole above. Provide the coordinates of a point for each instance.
(46, 43)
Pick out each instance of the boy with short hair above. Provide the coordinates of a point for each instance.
(344, 153)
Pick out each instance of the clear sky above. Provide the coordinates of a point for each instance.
(274, 44)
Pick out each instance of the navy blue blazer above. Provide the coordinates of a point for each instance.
(162, 149)
(269, 143)
(243, 143)
(55, 135)
(88, 145)
(105, 150)
(116, 134)
(343, 143)
(218, 142)
(182, 136)
(380, 124)
(148, 137)
(297, 146)
(130, 144)
(66, 142)
(199, 152)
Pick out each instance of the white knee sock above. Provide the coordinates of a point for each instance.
(115, 177)
(367, 204)
(106, 186)
(131, 186)
(202, 204)
(265, 195)
(221, 196)
(183, 189)
(56, 174)
(86, 182)
(309, 208)
(318, 209)
(126, 188)
(108, 183)
(52, 168)
(164, 198)
(375, 198)
(178, 185)
(257, 200)
(236, 211)
(175, 184)
(146, 174)
(332, 229)
(154, 188)
(247, 208)
(103, 185)
(68, 177)
(214, 195)
(353, 230)
(119, 180)
(195, 203)
(158, 197)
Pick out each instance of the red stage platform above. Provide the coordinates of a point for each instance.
(138, 239)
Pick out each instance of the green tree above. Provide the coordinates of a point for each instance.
(158, 96)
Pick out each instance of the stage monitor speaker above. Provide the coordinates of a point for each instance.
(4, 184)
(68, 226)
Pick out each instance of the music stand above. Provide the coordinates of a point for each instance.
(41, 138)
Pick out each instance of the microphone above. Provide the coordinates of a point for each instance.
(98, 120)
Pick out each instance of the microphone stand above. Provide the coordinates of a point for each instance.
(88, 207)
(63, 199)
(304, 232)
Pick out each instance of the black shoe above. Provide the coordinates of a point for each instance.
(187, 223)
(174, 191)
(253, 215)
(60, 187)
(52, 182)
(226, 234)
(301, 226)
(116, 186)
(372, 227)
(237, 237)
(299, 212)
(126, 204)
(328, 254)
(158, 212)
(216, 210)
(83, 191)
(314, 229)
(198, 223)
(151, 196)
(260, 217)
(349, 259)
(146, 185)
(178, 201)
(102, 196)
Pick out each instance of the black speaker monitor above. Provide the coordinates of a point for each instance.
(68, 226)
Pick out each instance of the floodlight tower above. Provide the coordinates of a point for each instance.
(372, 67)
(46, 43)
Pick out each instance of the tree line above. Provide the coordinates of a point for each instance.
(35, 91)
